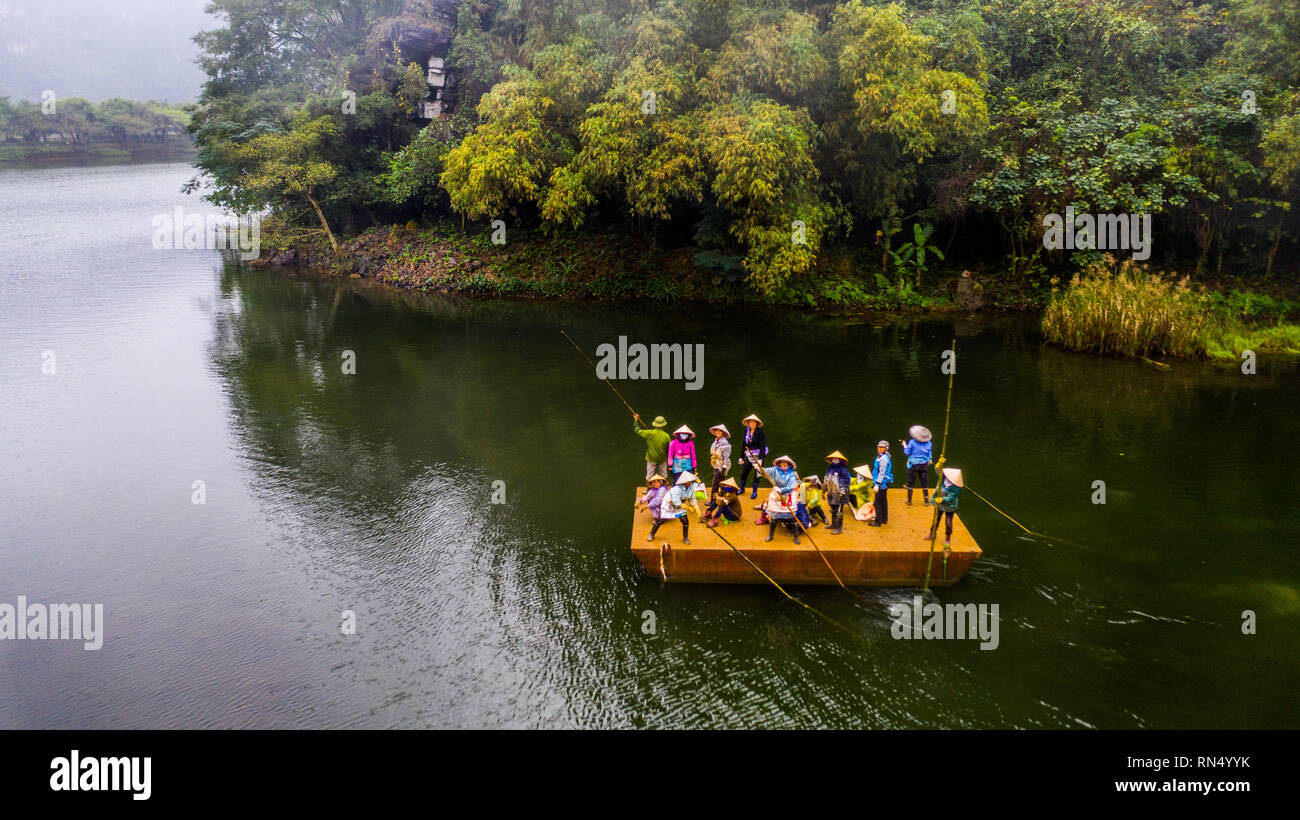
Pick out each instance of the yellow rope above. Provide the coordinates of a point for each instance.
(835, 574)
(778, 586)
(1042, 535)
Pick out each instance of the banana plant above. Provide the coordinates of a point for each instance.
(910, 256)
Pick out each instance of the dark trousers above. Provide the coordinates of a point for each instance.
(947, 525)
(837, 516)
(718, 476)
(660, 522)
(745, 469)
(918, 475)
(817, 511)
(728, 513)
(882, 505)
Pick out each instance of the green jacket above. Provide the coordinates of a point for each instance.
(946, 498)
(656, 443)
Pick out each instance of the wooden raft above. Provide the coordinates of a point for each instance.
(893, 555)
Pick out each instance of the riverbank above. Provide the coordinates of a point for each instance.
(444, 257)
(48, 153)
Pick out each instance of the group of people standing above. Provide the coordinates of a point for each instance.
(673, 485)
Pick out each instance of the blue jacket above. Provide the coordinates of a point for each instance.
(883, 473)
(917, 452)
(787, 481)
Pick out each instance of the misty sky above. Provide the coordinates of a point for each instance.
(139, 49)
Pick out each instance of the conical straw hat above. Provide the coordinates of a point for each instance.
(730, 482)
(656, 477)
(919, 433)
(686, 477)
(864, 470)
(752, 417)
(953, 474)
(837, 454)
(683, 429)
(721, 427)
(785, 458)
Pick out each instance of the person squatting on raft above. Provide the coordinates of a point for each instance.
(945, 498)
(724, 507)
(836, 483)
(812, 499)
(681, 453)
(656, 445)
(756, 443)
(652, 500)
(918, 450)
(674, 505)
(882, 476)
(781, 503)
(720, 454)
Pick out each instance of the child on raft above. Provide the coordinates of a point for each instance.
(755, 443)
(681, 453)
(837, 484)
(918, 449)
(652, 499)
(720, 454)
(724, 507)
(674, 505)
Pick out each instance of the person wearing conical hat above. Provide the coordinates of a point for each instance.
(720, 454)
(681, 452)
(755, 449)
(656, 445)
(882, 475)
(724, 507)
(652, 500)
(918, 449)
(836, 484)
(945, 498)
(674, 505)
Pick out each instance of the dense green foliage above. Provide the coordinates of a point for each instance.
(75, 121)
(762, 134)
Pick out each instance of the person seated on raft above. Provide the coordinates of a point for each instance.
(812, 491)
(781, 504)
(725, 504)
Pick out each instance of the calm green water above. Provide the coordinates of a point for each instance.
(371, 492)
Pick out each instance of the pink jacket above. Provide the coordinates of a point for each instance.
(681, 449)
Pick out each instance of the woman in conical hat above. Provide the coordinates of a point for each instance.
(754, 449)
(918, 450)
(720, 454)
(837, 483)
(945, 498)
(681, 452)
(674, 504)
(652, 500)
(725, 505)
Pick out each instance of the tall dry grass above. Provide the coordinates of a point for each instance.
(1129, 311)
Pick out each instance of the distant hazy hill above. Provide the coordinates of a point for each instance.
(139, 49)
